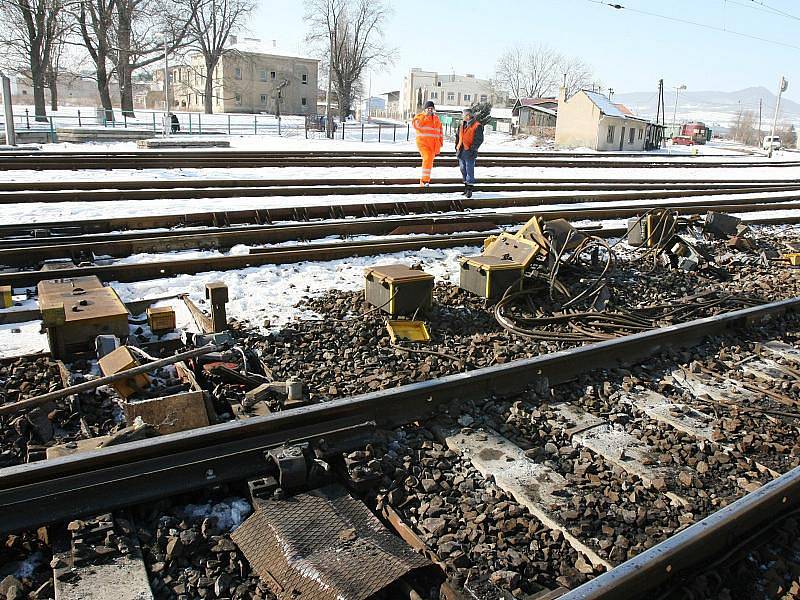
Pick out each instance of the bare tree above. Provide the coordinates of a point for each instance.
(29, 31)
(95, 19)
(577, 75)
(538, 71)
(139, 33)
(210, 27)
(349, 33)
(529, 72)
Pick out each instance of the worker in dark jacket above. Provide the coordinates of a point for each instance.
(469, 137)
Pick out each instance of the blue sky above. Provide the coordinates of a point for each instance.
(628, 51)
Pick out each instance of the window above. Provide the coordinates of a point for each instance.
(610, 134)
(641, 134)
(304, 78)
(272, 74)
(451, 96)
(238, 99)
(438, 84)
(467, 97)
(303, 101)
(484, 97)
(262, 75)
(630, 137)
(237, 73)
(434, 95)
(263, 98)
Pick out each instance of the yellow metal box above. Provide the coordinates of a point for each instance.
(5, 296)
(398, 289)
(161, 318)
(118, 360)
(489, 276)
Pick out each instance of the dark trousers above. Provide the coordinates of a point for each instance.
(466, 163)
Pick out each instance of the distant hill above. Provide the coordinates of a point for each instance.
(714, 108)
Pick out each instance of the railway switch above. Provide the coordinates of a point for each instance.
(398, 289)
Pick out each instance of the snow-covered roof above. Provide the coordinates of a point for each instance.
(256, 46)
(605, 105)
(536, 101)
(502, 113)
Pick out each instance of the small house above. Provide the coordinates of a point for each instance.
(533, 115)
(591, 120)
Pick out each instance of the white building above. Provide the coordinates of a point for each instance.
(445, 90)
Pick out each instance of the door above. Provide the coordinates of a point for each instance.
(622, 138)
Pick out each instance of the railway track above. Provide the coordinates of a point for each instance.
(26, 252)
(558, 183)
(582, 401)
(177, 160)
(294, 189)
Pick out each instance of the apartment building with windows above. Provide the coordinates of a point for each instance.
(251, 77)
(445, 90)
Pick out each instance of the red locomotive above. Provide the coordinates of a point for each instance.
(695, 130)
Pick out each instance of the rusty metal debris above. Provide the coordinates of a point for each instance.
(323, 545)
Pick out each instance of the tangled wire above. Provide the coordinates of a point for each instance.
(581, 316)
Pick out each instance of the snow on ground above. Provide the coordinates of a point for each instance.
(230, 513)
(74, 211)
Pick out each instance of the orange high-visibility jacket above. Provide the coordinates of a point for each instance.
(429, 132)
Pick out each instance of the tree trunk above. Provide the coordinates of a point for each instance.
(345, 95)
(124, 69)
(105, 93)
(37, 79)
(126, 89)
(52, 83)
(208, 89)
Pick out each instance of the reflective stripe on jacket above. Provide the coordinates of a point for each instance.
(428, 130)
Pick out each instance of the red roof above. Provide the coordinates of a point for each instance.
(537, 101)
(624, 109)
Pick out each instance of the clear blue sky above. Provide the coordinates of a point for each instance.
(628, 51)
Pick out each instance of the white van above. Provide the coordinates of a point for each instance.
(771, 141)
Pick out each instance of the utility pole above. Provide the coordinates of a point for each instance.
(328, 128)
(781, 88)
(369, 99)
(760, 102)
(675, 109)
(278, 97)
(8, 111)
(167, 122)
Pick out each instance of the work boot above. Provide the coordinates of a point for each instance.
(468, 193)
(466, 189)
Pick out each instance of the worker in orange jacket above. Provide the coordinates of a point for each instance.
(428, 130)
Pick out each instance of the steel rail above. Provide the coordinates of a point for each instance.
(228, 152)
(50, 491)
(272, 255)
(26, 252)
(165, 184)
(88, 163)
(85, 231)
(689, 550)
(194, 193)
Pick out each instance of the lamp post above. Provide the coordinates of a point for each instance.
(675, 110)
(167, 121)
(8, 111)
(784, 84)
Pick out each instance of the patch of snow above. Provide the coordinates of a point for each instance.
(230, 513)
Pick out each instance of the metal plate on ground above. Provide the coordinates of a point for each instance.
(323, 545)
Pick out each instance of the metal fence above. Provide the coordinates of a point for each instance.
(226, 124)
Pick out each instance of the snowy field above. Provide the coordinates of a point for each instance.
(267, 296)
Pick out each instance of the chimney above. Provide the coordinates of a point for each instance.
(562, 94)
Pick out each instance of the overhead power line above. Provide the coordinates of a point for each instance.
(695, 23)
